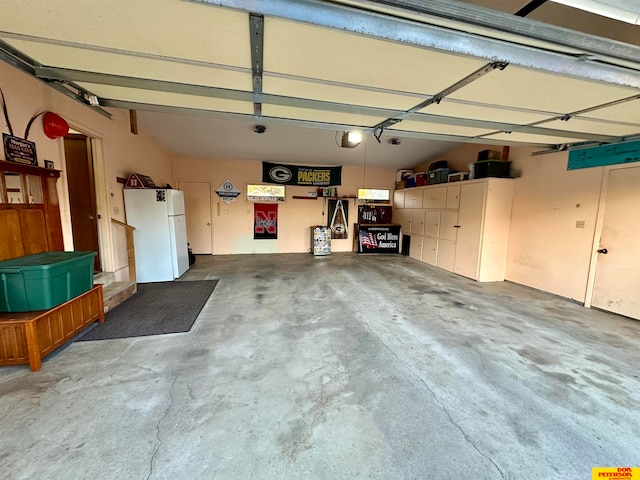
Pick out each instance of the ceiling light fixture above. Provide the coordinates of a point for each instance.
(351, 139)
(623, 10)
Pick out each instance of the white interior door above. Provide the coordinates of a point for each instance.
(617, 279)
(197, 203)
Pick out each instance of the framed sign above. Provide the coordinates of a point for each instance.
(19, 150)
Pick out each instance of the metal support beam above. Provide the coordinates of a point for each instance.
(412, 32)
(68, 75)
(29, 66)
(437, 98)
(256, 32)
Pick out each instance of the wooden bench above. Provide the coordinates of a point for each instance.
(27, 337)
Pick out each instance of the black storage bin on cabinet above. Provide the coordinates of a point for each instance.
(492, 168)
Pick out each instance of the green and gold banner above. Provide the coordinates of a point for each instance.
(302, 176)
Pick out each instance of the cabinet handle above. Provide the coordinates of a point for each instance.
(456, 226)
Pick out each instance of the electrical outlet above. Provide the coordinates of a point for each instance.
(579, 223)
(116, 210)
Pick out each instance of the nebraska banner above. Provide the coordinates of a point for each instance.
(304, 176)
(265, 221)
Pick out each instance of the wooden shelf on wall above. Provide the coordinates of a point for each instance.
(303, 197)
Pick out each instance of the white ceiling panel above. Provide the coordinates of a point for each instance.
(450, 108)
(169, 99)
(530, 138)
(624, 112)
(440, 129)
(162, 27)
(333, 55)
(133, 66)
(340, 94)
(280, 111)
(577, 124)
(529, 89)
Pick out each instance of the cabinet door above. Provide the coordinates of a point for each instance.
(11, 237)
(405, 220)
(34, 231)
(435, 197)
(453, 197)
(417, 221)
(449, 225)
(429, 250)
(413, 199)
(472, 200)
(432, 223)
(446, 255)
(398, 199)
(415, 247)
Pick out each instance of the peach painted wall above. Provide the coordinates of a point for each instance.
(118, 153)
(546, 250)
(233, 231)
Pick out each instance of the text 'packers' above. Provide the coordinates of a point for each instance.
(315, 176)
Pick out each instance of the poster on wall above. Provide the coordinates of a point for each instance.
(374, 214)
(228, 192)
(299, 175)
(19, 150)
(265, 221)
(379, 239)
(337, 219)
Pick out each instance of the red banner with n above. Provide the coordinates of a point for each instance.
(265, 221)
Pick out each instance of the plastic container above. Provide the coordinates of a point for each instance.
(492, 168)
(44, 280)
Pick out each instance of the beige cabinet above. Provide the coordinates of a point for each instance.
(415, 247)
(462, 228)
(417, 221)
(435, 197)
(413, 198)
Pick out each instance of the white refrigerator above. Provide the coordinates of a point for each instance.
(160, 235)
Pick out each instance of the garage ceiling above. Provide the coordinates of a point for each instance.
(427, 73)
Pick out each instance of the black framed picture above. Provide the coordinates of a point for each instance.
(49, 164)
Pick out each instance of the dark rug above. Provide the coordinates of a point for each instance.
(157, 308)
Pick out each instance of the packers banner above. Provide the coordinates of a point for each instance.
(265, 221)
(303, 176)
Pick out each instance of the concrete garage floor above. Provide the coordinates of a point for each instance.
(339, 367)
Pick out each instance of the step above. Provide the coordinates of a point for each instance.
(117, 292)
(105, 278)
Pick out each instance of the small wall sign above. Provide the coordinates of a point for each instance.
(137, 180)
(19, 150)
(228, 192)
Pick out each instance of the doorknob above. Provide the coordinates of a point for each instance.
(603, 251)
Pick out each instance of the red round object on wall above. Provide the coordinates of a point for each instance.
(54, 125)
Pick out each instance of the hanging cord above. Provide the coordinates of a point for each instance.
(6, 113)
(364, 165)
(8, 122)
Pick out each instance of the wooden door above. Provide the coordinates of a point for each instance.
(617, 279)
(470, 217)
(82, 195)
(197, 204)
